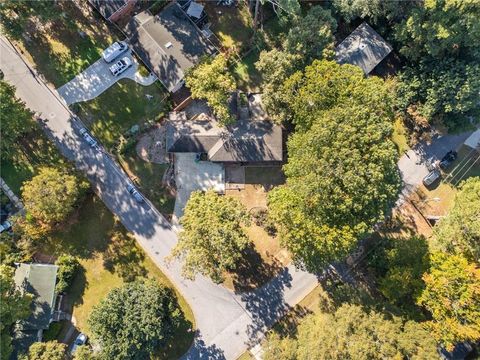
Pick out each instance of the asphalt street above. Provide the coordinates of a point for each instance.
(227, 323)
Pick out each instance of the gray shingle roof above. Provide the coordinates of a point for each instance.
(246, 141)
(39, 280)
(168, 43)
(364, 47)
(107, 7)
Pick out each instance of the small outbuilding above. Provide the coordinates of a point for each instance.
(113, 10)
(364, 47)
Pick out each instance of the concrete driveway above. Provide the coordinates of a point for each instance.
(97, 78)
(413, 165)
(191, 176)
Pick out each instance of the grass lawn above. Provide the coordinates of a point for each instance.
(232, 25)
(89, 238)
(33, 151)
(70, 44)
(399, 136)
(113, 113)
(247, 76)
(148, 176)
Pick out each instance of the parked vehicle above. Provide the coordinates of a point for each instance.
(114, 51)
(120, 66)
(432, 176)
(79, 341)
(448, 159)
(90, 140)
(5, 226)
(136, 195)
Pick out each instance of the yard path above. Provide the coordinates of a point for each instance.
(227, 323)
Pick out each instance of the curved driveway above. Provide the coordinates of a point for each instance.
(227, 323)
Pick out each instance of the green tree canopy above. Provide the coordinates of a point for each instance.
(326, 84)
(15, 118)
(445, 90)
(439, 29)
(212, 236)
(14, 306)
(373, 10)
(352, 333)
(211, 80)
(68, 268)
(276, 66)
(50, 350)
(452, 295)
(51, 195)
(341, 172)
(459, 231)
(312, 35)
(135, 320)
(399, 265)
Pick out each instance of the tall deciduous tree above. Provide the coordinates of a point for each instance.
(341, 172)
(51, 195)
(15, 120)
(50, 350)
(212, 238)
(276, 66)
(452, 295)
(459, 231)
(211, 80)
(135, 320)
(312, 35)
(441, 28)
(14, 306)
(373, 10)
(352, 333)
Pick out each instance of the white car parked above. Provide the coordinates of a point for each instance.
(5, 226)
(120, 66)
(114, 51)
(79, 341)
(90, 140)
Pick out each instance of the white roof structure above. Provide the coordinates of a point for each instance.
(364, 47)
(474, 140)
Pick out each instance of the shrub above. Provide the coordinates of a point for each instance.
(68, 267)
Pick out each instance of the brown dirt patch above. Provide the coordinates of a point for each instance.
(151, 146)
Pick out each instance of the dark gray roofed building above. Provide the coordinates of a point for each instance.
(364, 47)
(168, 43)
(38, 280)
(246, 141)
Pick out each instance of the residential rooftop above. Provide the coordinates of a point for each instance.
(364, 47)
(168, 43)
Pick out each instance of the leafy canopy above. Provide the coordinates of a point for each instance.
(452, 295)
(352, 333)
(459, 231)
(211, 80)
(133, 321)
(15, 118)
(341, 172)
(14, 306)
(51, 350)
(68, 268)
(212, 237)
(51, 195)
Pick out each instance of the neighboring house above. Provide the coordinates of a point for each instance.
(113, 10)
(168, 43)
(250, 140)
(38, 280)
(364, 47)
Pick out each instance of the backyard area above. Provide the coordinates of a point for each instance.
(108, 261)
(265, 258)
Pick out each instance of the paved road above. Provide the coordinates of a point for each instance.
(97, 78)
(227, 323)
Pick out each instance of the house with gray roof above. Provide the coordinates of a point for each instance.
(252, 139)
(169, 44)
(364, 47)
(38, 280)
